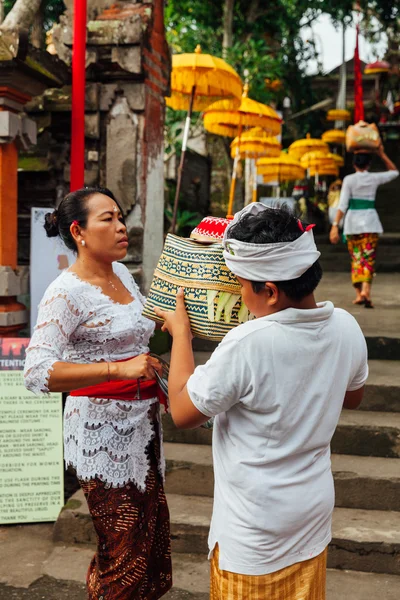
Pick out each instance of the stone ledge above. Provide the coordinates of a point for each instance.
(14, 283)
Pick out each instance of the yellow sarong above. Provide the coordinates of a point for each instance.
(302, 581)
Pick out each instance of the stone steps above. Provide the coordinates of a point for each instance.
(382, 392)
(363, 540)
(362, 433)
(191, 574)
(367, 433)
(360, 482)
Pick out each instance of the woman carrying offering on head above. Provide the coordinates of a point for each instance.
(276, 386)
(92, 341)
(362, 225)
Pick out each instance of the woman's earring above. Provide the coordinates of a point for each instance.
(83, 243)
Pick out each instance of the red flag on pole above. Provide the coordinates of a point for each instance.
(78, 96)
(358, 89)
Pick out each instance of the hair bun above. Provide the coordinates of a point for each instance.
(51, 224)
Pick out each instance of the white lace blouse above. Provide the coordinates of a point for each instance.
(78, 323)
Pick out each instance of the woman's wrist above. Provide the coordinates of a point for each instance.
(335, 225)
(113, 371)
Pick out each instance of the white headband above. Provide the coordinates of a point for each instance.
(268, 262)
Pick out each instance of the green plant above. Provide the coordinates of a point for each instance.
(185, 220)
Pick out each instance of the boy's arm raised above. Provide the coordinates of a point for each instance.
(184, 413)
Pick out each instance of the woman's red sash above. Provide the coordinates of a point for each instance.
(128, 390)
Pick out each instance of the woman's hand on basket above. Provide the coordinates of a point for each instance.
(176, 322)
(140, 367)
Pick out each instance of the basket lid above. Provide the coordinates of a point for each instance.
(210, 229)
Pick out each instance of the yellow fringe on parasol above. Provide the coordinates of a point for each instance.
(334, 136)
(282, 168)
(324, 170)
(338, 114)
(317, 159)
(255, 143)
(308, 144)
(339, 160)
(223, 118)
(197, 80)
(211, 76)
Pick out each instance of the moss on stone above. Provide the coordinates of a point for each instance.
(33, 163)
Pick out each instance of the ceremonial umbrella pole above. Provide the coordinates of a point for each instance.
(78, 96)
(197, 80)
(224, 119)
(253, 144)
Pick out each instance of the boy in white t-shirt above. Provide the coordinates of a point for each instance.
(276, 385)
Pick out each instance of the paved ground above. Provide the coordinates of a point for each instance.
(384, 319)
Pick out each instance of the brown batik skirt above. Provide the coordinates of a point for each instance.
(133, 558)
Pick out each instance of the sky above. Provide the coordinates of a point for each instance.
(329, 44)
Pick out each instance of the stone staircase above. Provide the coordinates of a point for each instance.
(365, 551)
(364, 556)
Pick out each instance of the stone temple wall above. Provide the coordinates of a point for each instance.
(128, 67)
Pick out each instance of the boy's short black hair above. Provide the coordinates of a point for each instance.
(362, 160)
(270, 227)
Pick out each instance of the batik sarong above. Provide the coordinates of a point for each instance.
(362, 250)
(301, 581)
(133, 558)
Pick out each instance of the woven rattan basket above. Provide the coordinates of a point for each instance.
(212, 292)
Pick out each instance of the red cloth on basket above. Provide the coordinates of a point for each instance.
(128, 390)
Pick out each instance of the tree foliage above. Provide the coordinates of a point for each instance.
(266, 38)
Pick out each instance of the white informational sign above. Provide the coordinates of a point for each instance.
(31, 444)
(49, 256)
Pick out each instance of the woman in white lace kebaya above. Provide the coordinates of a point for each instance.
(89, 327)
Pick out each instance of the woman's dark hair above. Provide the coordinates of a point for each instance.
(72, 208)
(270, 227)
(362, 160)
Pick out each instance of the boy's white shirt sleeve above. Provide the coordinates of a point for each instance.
(222, 382)
(361, 369)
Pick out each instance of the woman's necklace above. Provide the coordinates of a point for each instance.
(113, 286)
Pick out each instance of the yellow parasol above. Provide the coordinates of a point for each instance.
(334, 136)
(308, 144)
(198, 80)
(211, 77)
(339, 160)
(254, 144)
(319, 163)
(282, 168)
(222, 118)
(324, 170)
(338, 114)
